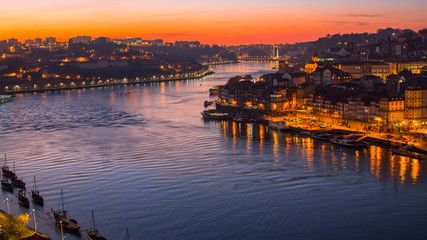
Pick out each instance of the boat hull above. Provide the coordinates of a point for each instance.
(94, 236)
(37, 198)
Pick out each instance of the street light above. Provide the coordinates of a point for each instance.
(35, 222)
(7, 203)
(62, 231)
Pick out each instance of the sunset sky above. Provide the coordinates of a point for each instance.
(219, 21)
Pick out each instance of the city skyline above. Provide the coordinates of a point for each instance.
(219, 22)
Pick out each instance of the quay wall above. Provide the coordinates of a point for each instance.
(66, 84)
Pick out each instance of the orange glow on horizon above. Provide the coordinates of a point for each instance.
(222, 22)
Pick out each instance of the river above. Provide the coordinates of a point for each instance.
(142, 158)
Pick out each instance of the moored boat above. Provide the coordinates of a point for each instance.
(306, 133)
(35, 194)
(322, 136)
(407, 153)
(62, 218)
(215, 115)
(278, 125)
(213, 91)
(22, 199)
(92, 232)
(6, 185)
(6, 171)
(244, 119)
(349, 142)
(19, 183)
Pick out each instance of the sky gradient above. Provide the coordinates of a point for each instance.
(219, 21)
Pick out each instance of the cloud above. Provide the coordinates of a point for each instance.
(365, 15)
(358, 23)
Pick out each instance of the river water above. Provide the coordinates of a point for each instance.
(142, 158)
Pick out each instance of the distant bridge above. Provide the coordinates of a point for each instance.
(256, 52)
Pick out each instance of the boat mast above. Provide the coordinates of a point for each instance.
(93, 221)
(127, 233)
(5, 161)
(62, 200)
(14, 170)
(35, 186)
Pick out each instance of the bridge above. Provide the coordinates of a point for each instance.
(262, 52)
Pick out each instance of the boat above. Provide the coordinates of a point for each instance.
(279, 125)
(6, 185)
(213, 91)
(208, 103)
(5, 98)
(407, 153)
(347, 142)
(6, 171)
(19, 183)
(92, 232)
(22, 199)
(215, 115)
(322, 136)
(244, 119)
(306, 133)
(62, 218)
(35, 194)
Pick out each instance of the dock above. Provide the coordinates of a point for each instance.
(18, 231)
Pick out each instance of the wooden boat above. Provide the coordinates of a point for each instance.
(279, 125)
(36, 195)
(6, 171)
(6, 185)
(215, 115)
(244, 119)
(322, 136)
(349, 142)
(92, 232)
(62, 218)
(22, 199)
(306, 133)
(213, 91)
(407, 153)
(19, 183)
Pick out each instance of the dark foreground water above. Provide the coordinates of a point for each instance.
(141, 157)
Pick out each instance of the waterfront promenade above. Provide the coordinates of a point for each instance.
(65, 84)
(17, 230)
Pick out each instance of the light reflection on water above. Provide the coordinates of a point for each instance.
(142, 157)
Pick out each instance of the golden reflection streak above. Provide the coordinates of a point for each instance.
(162, 87)
(309, 153)
(392, 163)
(378, 156)
(357, 161)
(178, 86)
(248, 136)
(162, 96)
(415, 171)
(275, 147)
(261, 138)
(234, 129)
(403, 169)
(373, 161)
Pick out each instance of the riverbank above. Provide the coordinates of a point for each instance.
(67, 84)
(17, 230)
(380, 139)
(219, 63)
